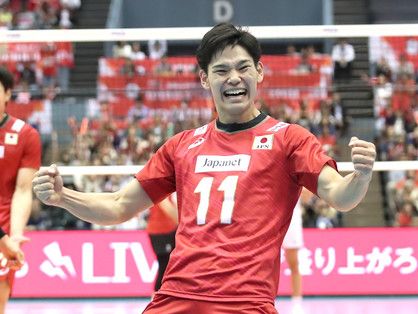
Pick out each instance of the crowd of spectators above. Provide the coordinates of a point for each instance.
(38, 66)
(38, 14)
(396, 116)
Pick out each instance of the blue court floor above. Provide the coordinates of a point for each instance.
(310, 305)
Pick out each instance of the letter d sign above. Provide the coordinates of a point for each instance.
(223, 11)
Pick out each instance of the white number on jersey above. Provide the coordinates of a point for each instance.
(228, 186)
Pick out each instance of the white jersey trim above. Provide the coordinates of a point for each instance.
(201, 130)
(18, 125)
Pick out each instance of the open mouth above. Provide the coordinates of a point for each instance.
(236, 92)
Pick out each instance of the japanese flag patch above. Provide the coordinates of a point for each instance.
(11, 138)
(263, 142)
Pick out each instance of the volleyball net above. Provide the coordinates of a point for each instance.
(100, 103)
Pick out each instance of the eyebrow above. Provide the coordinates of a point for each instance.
(225, 65)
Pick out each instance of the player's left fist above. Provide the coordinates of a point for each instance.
(363, 155)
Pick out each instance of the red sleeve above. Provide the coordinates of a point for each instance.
(31, 157)
(306, 157)
(157, 177)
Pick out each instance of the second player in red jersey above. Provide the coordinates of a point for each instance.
(20, 158)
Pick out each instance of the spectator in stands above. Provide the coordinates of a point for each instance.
(337, 111)
(163, 67)
(27, 77)
(122, 50)
(137, 53)
(405, 67)
(406, 215)
(71, 7)
(128, 68)
(343, 56)
(291, 50)
(304, 67)
(6, 16)
(382, 67)
(326, 215)
(157, 49)
(46, 16)
(48, 64)
(25, 18)
(65, 62)
(328, 141)
(65, 18)
(383, 91)
(404, 92)
(138, 111)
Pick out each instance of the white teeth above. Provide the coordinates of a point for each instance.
(235, 92)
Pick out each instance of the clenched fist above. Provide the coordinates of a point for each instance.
(363, 155)
(47, 185)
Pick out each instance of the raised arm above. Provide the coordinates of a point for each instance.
(345, 193)
(98, 208)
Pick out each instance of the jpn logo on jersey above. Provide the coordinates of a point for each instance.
(1, 151)
(263, 142)
(11, 138)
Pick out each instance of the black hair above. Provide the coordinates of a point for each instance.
(224, 35)
(6, 79)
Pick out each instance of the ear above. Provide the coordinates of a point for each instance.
(8, 95)
(204, 79)
(260, 70)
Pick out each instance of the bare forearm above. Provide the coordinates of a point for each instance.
(98, 208)
(20, 211)
(348, 192)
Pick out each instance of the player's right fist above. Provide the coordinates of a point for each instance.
(47, 185)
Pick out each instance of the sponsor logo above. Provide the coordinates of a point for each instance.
(1, 151)
(278, 126)
(11, 138)
(214, 163)
(263, 142)
(197, 143)
(201, 130)
(56, 264)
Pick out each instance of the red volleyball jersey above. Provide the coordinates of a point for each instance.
(20, 147)
(236, 192)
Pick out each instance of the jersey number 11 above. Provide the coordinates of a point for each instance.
(228, 186)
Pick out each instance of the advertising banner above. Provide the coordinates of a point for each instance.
(362, 261)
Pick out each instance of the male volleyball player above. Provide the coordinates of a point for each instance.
(237, 179)
(161, 228)
(20, 158)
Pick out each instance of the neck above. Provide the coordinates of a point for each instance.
(3, 118)
(242, 118)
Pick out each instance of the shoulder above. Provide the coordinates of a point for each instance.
(17, 125)
(188, 137)
(286, 129)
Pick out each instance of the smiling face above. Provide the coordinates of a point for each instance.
(232, 77)
(4, 98)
